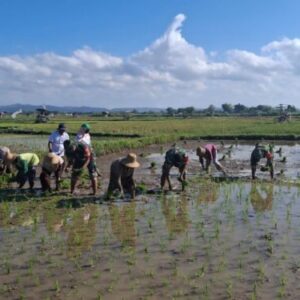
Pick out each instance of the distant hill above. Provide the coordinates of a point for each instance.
(73, 109)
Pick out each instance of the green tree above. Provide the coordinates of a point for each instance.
(227, 108)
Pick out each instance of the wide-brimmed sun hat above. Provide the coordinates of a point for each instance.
(130, 161)
(52, 162)
(200, 151)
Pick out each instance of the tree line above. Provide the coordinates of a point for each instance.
(230, 109)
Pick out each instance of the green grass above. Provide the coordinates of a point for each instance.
(111, 135)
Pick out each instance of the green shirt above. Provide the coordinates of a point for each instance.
(26, 160)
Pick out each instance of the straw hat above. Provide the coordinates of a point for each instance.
(52, 162)
(200, 151)
(130, 161)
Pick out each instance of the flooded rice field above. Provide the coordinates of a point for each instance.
(233, 239)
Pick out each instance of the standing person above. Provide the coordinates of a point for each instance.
(257, 154)
(121, 175)
(209, 154)
(175, 157)
(82, 157)
(83, 135)
(56, 140)
(26, 165)
(52, 163)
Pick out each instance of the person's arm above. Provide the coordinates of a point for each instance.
(50, 146)
(131, 184)
(182, 170)
(207, 166)
(216, 162)
(201, 160)
(50, 142)
(182, 176)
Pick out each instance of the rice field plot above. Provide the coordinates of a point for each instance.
(217, 240)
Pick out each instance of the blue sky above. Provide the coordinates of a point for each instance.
(228, 32)
(61, 26)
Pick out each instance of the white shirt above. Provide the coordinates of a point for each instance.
(84, 138)
(57, 142)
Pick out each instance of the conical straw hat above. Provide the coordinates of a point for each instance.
(130, 161)
(52, 162)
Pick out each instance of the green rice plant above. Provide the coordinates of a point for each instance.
(57, 287)
(229, 290)
(7, 267)
(200, 272)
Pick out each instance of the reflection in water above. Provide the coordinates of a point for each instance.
(81, 231)
(123, 223)
(261, 197)
(15, 214)
(209, 192)
(176, 214)
(54, 220)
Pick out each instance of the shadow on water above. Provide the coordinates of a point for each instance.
(76, 202)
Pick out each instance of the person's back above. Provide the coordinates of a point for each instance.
(30, 159)
(118, 170)
(52, 162)
(175, 157)
(81, 153)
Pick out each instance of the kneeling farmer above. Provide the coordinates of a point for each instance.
(52, 163)
(209, 154)
(82, 158)
(174, 158)
(257, 154)
(26, 165)
(121, 175)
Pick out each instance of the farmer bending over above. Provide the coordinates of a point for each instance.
(121, 175)
(209, 154)
(257, 154)
(81, 157)
(4, 164)
(26, 165)
(174, 158)
(52, 163)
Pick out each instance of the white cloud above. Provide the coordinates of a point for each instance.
(169, 72)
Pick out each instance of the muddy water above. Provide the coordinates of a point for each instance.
(237, 160)
(237, 240)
